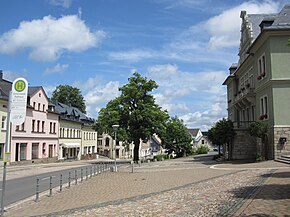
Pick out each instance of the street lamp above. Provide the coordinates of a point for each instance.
(115, 128)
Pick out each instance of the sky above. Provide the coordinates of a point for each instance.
(186, 46)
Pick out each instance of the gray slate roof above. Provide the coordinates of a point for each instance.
(280, 21)
(72, 113)
(193, 132)
(5, 87)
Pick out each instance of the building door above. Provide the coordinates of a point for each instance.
(35, 147)
(23, 151)
(1, 150)
(50, 151)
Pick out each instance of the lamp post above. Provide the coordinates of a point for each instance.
(115, 128)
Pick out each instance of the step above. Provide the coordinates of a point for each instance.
(285, 156)
(283, 160)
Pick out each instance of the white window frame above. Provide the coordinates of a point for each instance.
(262, 66)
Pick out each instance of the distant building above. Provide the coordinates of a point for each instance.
(198, 139)
(77, 138)
(258, 86)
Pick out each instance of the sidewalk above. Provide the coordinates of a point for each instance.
(180, 187)
(270, 199)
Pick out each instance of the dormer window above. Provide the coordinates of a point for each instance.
(39, 95)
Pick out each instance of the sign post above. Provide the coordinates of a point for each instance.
(16, 114)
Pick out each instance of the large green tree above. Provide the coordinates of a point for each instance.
(222, 133)
(70, 96)
(135, 111)
(176, 138)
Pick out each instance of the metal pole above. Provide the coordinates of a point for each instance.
(91, 172)
(50, 186)
(81, 174)
(7, 149)
(115, 150)
(86, 173)
(94, 170)
(37, 190)
(76, 177)
(68, 179)
(132, 166)
(60, 183)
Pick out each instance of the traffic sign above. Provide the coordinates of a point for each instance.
(18, 101)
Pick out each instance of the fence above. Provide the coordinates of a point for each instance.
(66, 179)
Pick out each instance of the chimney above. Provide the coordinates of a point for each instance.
(1, 75)
(233, 68)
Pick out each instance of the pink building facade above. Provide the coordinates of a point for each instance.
(37, 138)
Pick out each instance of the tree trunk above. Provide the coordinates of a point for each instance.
(136, 150)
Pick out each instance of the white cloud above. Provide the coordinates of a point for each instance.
(132, 55)
(198, 97)
(47, 38)
(49, 90)
(58, 68)
(98, 96)
(224, 29)
(62, 3)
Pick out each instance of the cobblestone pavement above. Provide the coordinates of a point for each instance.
(271, 199)
(180, 187)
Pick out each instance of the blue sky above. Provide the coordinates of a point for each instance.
(186, 46)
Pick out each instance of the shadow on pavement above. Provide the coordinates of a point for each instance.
(258, 215)
(279, 175)
(267, 192)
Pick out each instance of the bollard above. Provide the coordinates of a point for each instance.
(76, 177)
(86, 173)
(37, 190)
(94, 170)
(50, 186)
(132, 166)
(98, 169)
(81, 174)
(60, 183)
(68, 179)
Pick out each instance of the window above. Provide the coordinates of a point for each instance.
(264, 108)
(33, 126)
(38, 125)
(262, 67)
(23, 126)
(43, 107)
(50, 127)
(38, 106)
(42, 128)
(34, 105)
(3, 123)
(53, 127)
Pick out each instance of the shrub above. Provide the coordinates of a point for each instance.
(202, 150)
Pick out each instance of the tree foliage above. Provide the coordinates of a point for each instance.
(258, 129)
(135, 111)
(222, 132)
(70, 96)
(176, 137)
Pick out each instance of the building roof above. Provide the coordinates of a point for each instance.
(193, 132)
(72, 113)
(5, 87)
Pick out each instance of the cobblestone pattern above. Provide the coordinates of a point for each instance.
(272, 199)
(214, 197)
